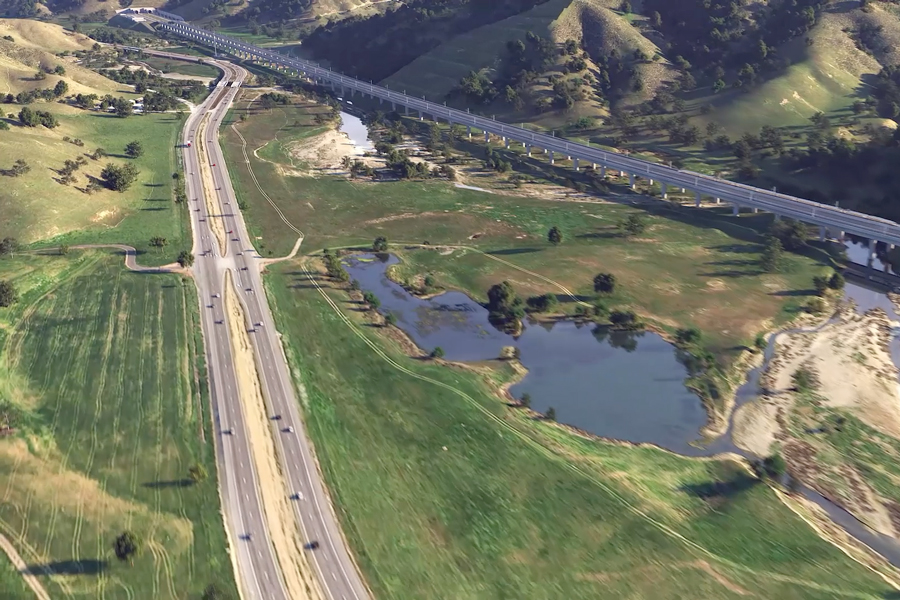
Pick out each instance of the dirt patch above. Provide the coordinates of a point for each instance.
(852, 357)
(213, 212)
(280, 521)
(326, 152)
(757, 426)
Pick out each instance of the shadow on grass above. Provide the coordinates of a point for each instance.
(174, 483)
(794, 293)
(513, 251)
(68, 567)
(719, 492)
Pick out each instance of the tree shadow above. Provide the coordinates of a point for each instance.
(717, 493)
(174, 483)
(732, 273)
(512, 251)
(732, 262)
(793, 293)
(153, 185)
(68, 567)
(600, 235)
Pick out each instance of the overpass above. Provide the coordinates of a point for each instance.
(828, 218)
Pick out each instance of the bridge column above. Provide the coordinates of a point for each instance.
(506, 142)
(575, 164)
(718, 201)
(406, 110)
(777, 217)
(821, 233)
(664, 189)
(755, 210)
(697, 200)
(487, 137)
(603, 171)
(651, 183)
(871, 252)
(421, 116)
(551, 157)
(631, 180)
(735, 210)
(683, 190)
(528, 150)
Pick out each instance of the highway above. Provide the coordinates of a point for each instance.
(834, 218)
(259, 572)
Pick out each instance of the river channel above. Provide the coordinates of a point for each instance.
(620, 385)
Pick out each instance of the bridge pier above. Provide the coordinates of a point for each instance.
(469, 131)
(871, 252)
(551, 157)
(735, 210)
(822, 233)
(406, 110)
(603, 171)
(697, 200)
(664, 190)
(487, 137)
(755, 210)
(631, 180)
(651, 183)
(575, 164)
(506, 142)
(718, 201)
(528, 150)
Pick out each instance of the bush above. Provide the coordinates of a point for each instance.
(380, 244)
(605, 283)
(8, 294)
(437, 353)
(544, 303)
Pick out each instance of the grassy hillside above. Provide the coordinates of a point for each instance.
(106, 430)
(37, 206)
(593, 25)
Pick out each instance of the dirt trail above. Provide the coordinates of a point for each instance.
(281, 523)
(22, 568)
(213, 212)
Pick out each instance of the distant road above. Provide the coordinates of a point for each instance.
(259, 570)
(740, 195)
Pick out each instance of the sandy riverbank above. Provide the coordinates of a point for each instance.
(856, 376)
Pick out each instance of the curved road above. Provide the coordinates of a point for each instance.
(259, 573)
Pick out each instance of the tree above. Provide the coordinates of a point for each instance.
(688, 337)
(820, 283)
(126, 546)
(550, 415)
(158, 242)
(123, 107)
(390, 319)
(774, 466)
(60, 89)
(525, 401)
(197, 473)
(760, 342)
(98, 154)
(20, 167)
(185, 258)
(771, 257)
(605, 283)
(8, 294)
(837, 281)
(63, 249)
(214, 592)
(380, 244)
(8, 245)
(633, 225)
(555, 236)
(134, 149)
(371, 299)
(119, 178)
(438, 352)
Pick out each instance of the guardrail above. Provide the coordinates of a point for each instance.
(738, 194)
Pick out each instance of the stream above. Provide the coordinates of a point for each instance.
(620, 385)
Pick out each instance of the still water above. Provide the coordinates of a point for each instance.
(613, 384)
(356, 131)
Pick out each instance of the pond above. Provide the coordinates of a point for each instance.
(621, 385)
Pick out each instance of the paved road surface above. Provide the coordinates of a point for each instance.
(259, 572)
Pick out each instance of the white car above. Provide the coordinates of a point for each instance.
(217, 295)
(290, 429)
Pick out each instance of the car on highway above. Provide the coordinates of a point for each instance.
(259, 324)
(289, 429)
(217, 295)
(312, 545)
(229, 431)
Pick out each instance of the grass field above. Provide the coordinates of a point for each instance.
(40, 210)
(444, 492)
(179, 66)
(37, 208)
(689, 267)
(108, 366)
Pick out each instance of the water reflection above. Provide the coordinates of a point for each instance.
(620, 384)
